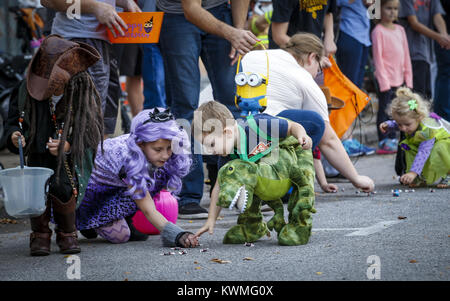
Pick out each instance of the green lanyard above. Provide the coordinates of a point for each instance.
(243, 155)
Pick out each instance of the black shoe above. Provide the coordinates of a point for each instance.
(192, 211)
(89, 233)
(135, 235)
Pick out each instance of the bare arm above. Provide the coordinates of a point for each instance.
(298, 131)
(240, 39)
(105, 13)
(147, 206)
(239, 10)
(328, 38)
(334, 151)
(321, 178)
(213, 213)
(320, 173)
(439, 22)
(442, 39)
(279, 33)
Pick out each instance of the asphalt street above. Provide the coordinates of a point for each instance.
(355, 237)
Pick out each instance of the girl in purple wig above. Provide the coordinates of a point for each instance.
(130, 171)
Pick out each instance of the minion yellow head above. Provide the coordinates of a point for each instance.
(251, 91)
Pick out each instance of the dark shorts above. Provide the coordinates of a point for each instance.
(129, 57)
(105, 75)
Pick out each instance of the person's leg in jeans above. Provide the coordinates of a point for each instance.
(384, 100)
(153, 77)
(114, 92)
(362, 66)
(442, 85)
(310, 120)
(215, 56)
(180, 46)
(387, 144)
(350, 56)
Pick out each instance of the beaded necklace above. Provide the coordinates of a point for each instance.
(59, 131)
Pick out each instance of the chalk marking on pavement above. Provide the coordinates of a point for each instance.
(336, 229)
(373, 229)
(362, 231)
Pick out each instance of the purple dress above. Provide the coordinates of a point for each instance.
(105, 200)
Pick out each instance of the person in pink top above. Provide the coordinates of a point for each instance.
(392, 66)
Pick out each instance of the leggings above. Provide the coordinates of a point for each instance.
(310, 120)
(116, 232)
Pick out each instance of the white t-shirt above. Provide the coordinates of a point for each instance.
(290, 85)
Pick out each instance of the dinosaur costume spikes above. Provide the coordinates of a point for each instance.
(248, 185)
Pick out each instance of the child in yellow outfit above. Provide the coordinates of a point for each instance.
(427, 143)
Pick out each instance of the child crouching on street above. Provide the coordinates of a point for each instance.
(133, 168)
(229, 136)
(427, 143)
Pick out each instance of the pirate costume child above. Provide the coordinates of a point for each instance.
(57, 112)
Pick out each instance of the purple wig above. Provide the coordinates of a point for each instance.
(136, 165)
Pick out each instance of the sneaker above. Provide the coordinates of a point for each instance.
(330, 171)
(444, 182)
(387, 146)
(192, 211)
(351, 149)
(364, 148)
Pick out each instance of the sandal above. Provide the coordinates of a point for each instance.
(418, 182)
(444, 183)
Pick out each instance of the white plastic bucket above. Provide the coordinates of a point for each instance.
(25, 190)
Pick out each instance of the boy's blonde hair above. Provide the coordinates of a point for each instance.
(210, 111)
(302, 44)
(404, 104)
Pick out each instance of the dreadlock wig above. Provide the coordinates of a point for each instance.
(141, 177)
(83, 120)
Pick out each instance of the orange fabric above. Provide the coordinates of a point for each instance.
(32, 18)
(136, 32)
(341, 87)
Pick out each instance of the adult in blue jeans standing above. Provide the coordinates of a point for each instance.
(353, 46)
(354, 40)
(152, 68)
(213, 31)
(441, 103)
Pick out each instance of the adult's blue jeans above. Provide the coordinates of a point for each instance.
(351, 58)
(153, 77)
(310, 120)
(441, 103)
(182, 44)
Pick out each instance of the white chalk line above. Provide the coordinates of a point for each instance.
(364, 231)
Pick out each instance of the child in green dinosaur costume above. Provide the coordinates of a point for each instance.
(267, 166)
